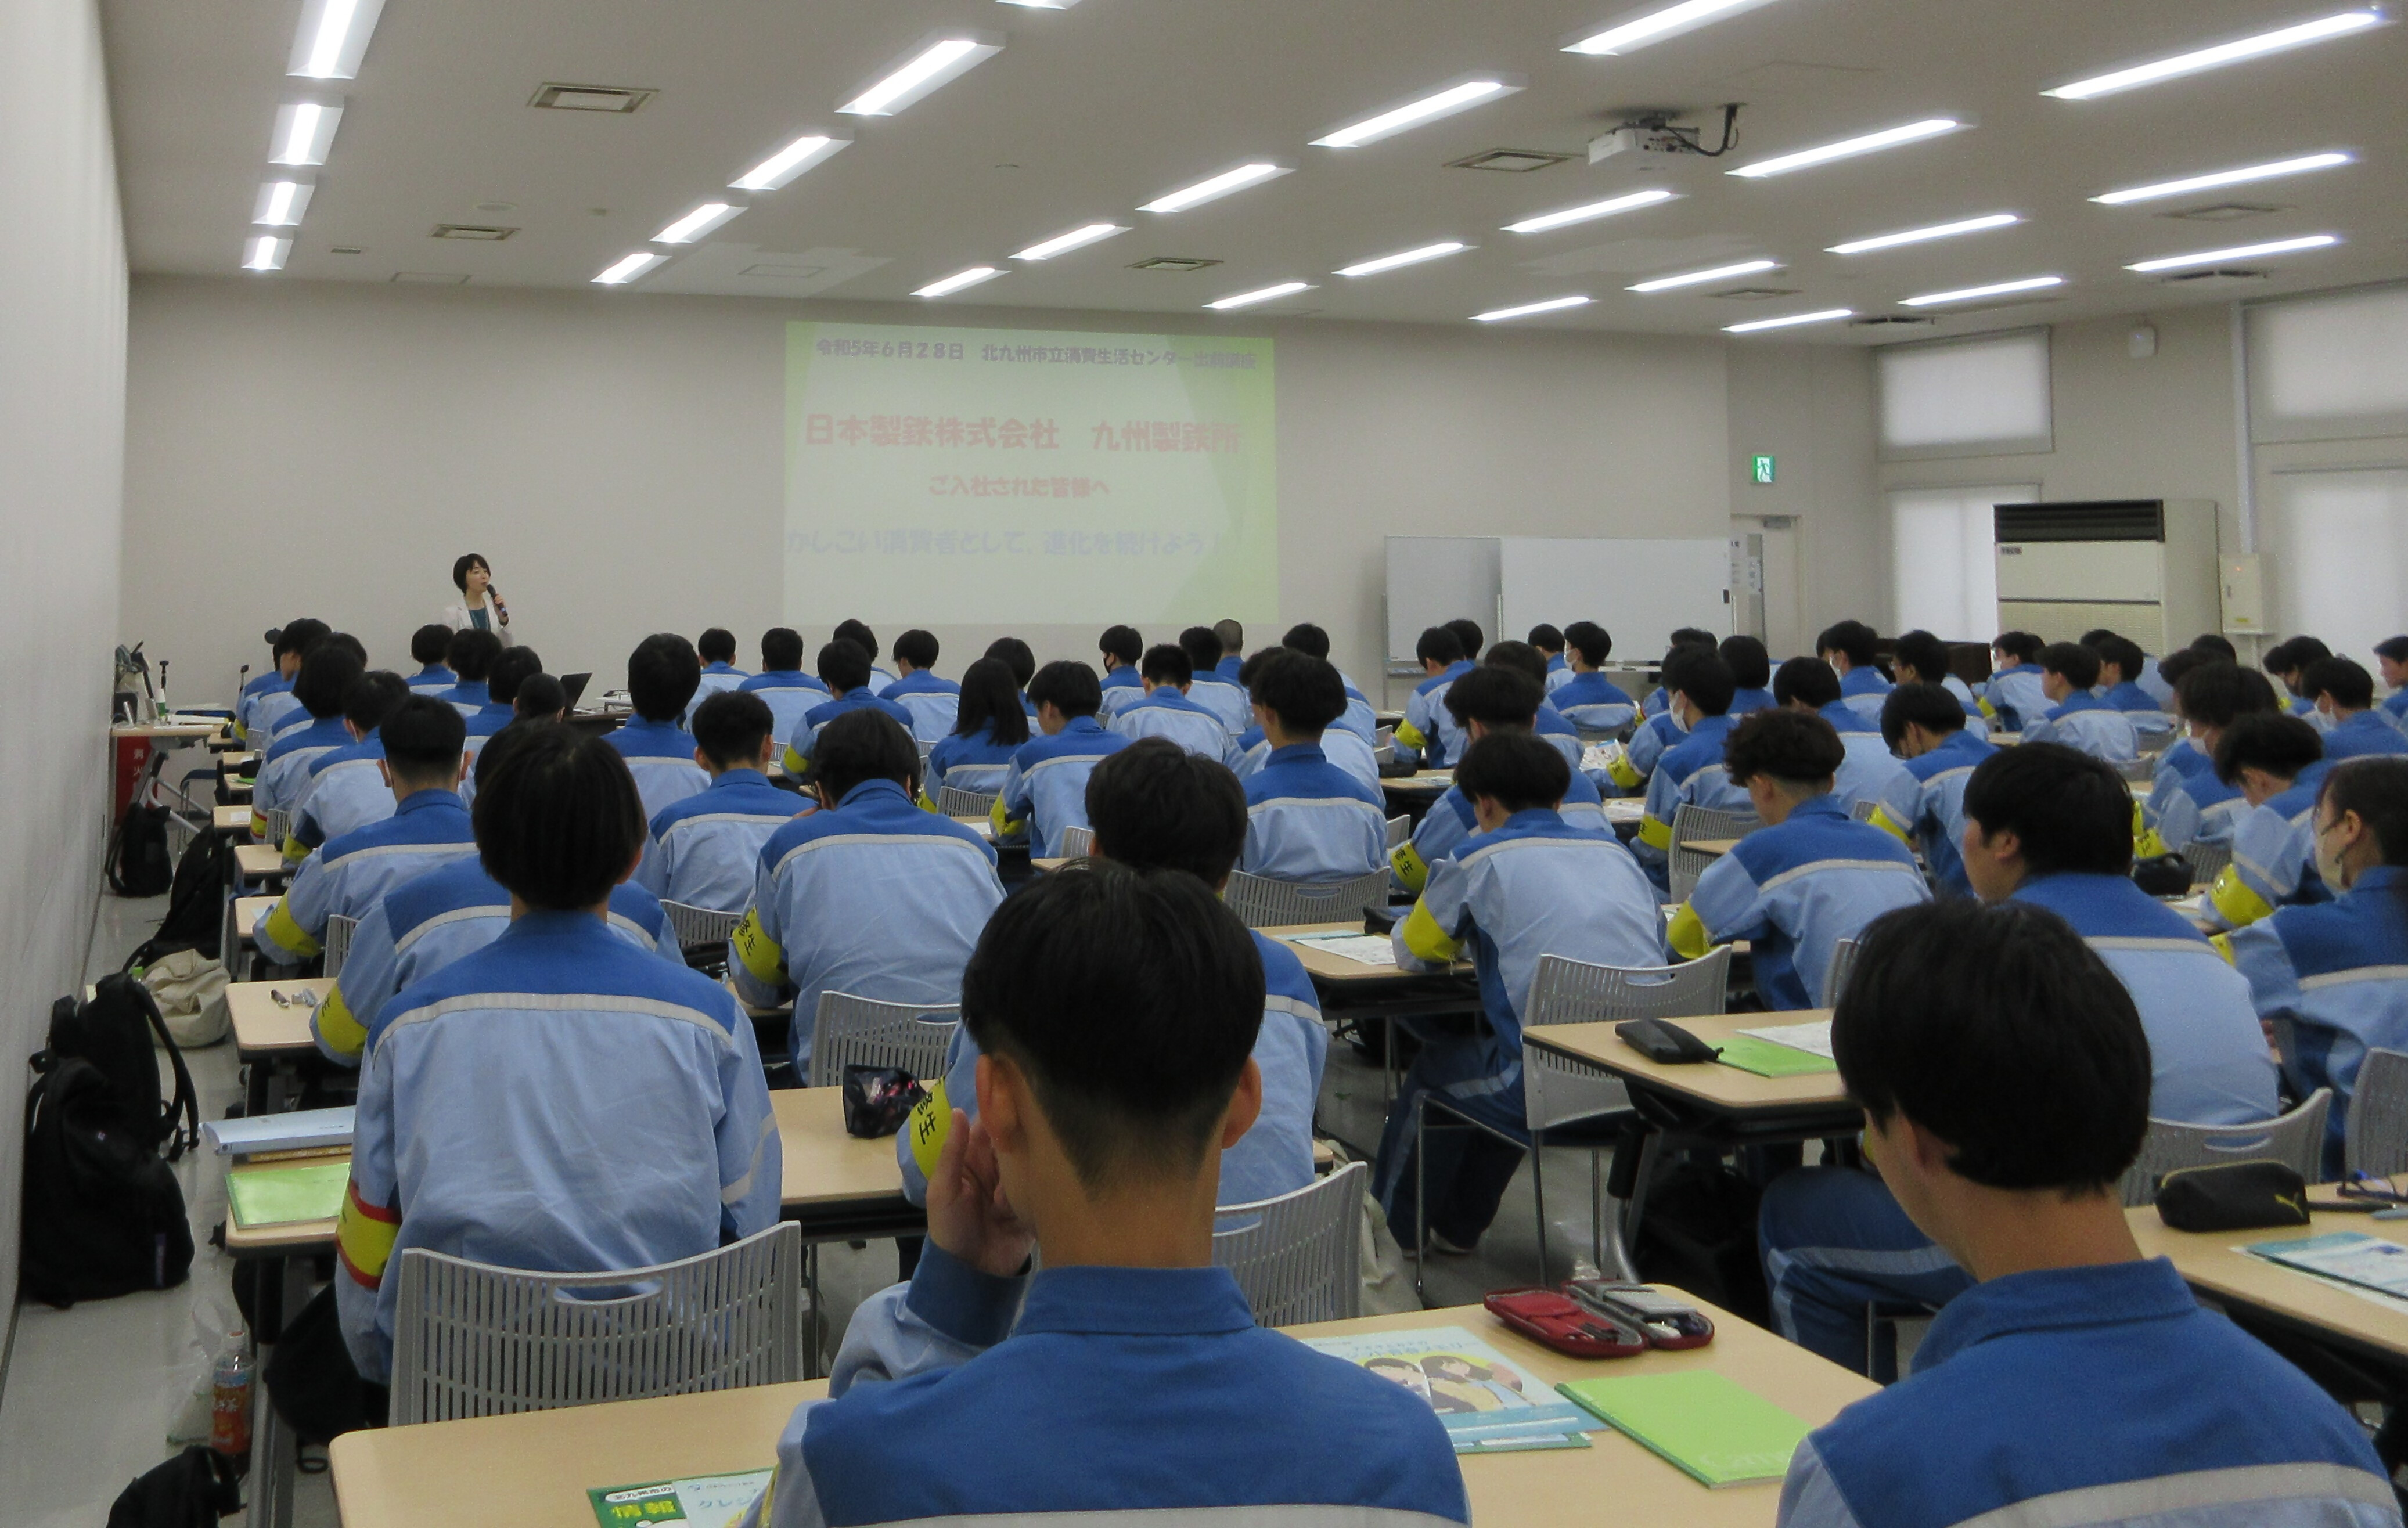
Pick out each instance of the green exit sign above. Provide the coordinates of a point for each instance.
(1763, 469)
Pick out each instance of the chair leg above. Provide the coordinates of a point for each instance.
(1539, 1197)
(1421, 1186)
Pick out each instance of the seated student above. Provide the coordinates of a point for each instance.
(1588, 700)
(348, 788)
(269, 698)
(2121, 661)
(1122, 649)
(662, 678)
(1751, 669)
(2286, 661)
(447, 1154)
(327, 670)
(1422, 736)
(1020, 658)
(1923, 659)
(1528, 885)
(427, 827)
(716, 647)
(1045, 786)
(1487, 700)
(869, 896)
(510, 668)
(1468, 636)
(1691, 774)
(1659, 700)
(427, 646)
(1560, 734)
(2005, 1088)
(1306, 818)
(2181, 756)
(1871, 770)
(781, 683)
(1311, 640)
(471, 653)
(1808, 879)
(2189, 803)
(2391, 658)
(844, 668)
(989, 727)
(1848, 647)
(1167, 712)
(2050, 828)
(867, 640)
(932, 702)
(1223, 697)
(540, 699)
(1157, 806)
(1117, 1011)
(703, 851)
(2012, 695)
(2278, 765)
(2339, 970)
(2075, 717)
(1549, 639)
(1923, 803)
(1628, 767)
(1347, 750)
(1232, 637)
(2343, 696)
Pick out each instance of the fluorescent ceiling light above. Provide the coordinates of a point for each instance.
(1459, 96)
(780, 168)
(2245, 252)
(1262, 295)
(1691, 278)
(305, 130)
(1496, 315)
(1408, 257)
(282, 203)
(1825, 316)
(938, 61)
(2245, 174)
(958, 281)
(1041, 5)
(1917, 236)
(1889, 137)
(1630, 34)
(701, 220)
(630, 269)
(333, 37)
(1076, 238)
(265, 254)
(2001, 289)
(1219, 186)
(2337, 26)
(1584, 213)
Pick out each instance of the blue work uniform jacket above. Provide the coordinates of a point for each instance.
(1453, 820)
(2082, 721)
(1121, 686)
(246, 705)
(717, 678)
(1045, 786)
(789, 693)
(660, 754)
(467, 697)
(1358, 718)
(1428, 733)
(347, 876)
(1628, 767)
(1594, 704)
(1166, 713)
(2361, 734)
(2187, 808)
(272, 705)
(1226, 698)
(433, 679)
(969, 762)
(1307, 820)
(2014, 694)
(2273, 856)
(1692, 774)
(1925, 805)
(704, 850)
(1870, 768)
(1558, 734)
(285, 769)
(934, 704)
(805, 736)
(1750, 698)
(1341, 746)
(1865, 691)
(345, 791)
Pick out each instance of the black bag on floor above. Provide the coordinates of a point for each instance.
(311, 1380)
(197, 899)
(115, 1032)
(137, 864)
(1699, 1233)
(191, 1490)
(103, 1214)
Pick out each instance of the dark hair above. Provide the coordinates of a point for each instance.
(1438, 645)
(1307, 639)
(1017, 656)
(716, 646)
(296, 636)
(1156, 806)
(859, 636)
(1546, 637)
(460, 571)
(470, 654)
(781, 648)
(558, 819)
(2217, 643)
(1925, 654)
(1852, 639)
(863, 744)
(1927, 705)
(1230, 634)
(2215, 691)
(2280, 745)
(1203, 649)
(1809, 680)
(1692, 636)
(2095, 636)
(1166, 665)
(1120, 642)
(2123, 652)
(2295, 654)
(730, 727)
(917, 648)
(1750, 665)
(1519, 770)
(2352, 687)
(327, 669)
(662, 673)
(1519, 656)
(2023, 647)
(1303, 692)
(843, 666)
(423, 737)
(2076, 664)
(991, 698)
(2376, 788)
(2072, 813)
(1131, 1000)
(1793, 748)
(1593, 642)
(2000, 1032)
(2393, 647)
(1700, 674)
(513, 668)
(428, 644)
(1495, 697)
(1468, 636)
(540, 695)
(2181, 661)
(368, 699)
(1069, 686)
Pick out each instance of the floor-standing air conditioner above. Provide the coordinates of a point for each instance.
(2145, 568)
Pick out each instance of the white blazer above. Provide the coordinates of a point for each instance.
(456, 615)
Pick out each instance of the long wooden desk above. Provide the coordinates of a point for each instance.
(1354, 992)
(260, 861)
(230, 819)
(2316, 1307)
(265, 1033)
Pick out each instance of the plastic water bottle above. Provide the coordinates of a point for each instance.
(230, 1380)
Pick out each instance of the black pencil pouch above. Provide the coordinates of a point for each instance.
(2233, 1196)
(878, 1099)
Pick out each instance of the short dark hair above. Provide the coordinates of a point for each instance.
(662, 673)
(843, 666)
(428, 644)
(1131, 999)
(991, 698)
(2376, 788)
(1692, 636)
(1438, 645)
(1120, 642)
(863, 744)
(2282, 746)
(1307, 639)
(327, 669)
(2074, 663)
(917, 648)
(2291, 656)
(1593, 642)
(1546, 637)
(2023, 647)
(1809, 680)
(513, 668)
(1232, 635)
(1751, 666)
(730, 727)
(1495, 696)
(1069, 686)
(1017, 656)
(2072, 813)
(558, 819)
(423, 737)
(1852, 639)
(1925, 654)
(540, 695)
(296, 636)
(1166, 665)
(1794, 747)
(2181, 661)
(470, 654)
(2095, 636)
(2217, 690)
(859, 636)
(1518, 770)
(716, 646)
(2352, 687)
(460, 571)
(2393, 647)
(1468, 636)
(1519, 656)
(1700, 674)
(1156, 806)
(368, 699)
(2217, 643)
(1925, 706)
(2123, 652)
(1303, 692)
(781, 648)
(1203, 649)
(1999, 1031)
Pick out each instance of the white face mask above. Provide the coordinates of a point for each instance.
(2328, 864)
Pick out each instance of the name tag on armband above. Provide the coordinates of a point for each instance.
(929, 1124)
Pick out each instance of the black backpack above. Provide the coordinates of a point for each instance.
(191, 1490)
(103, 1214)
(137, 862)
(195, 900)
(114, 1031)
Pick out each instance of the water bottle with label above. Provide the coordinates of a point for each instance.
(231, 1379)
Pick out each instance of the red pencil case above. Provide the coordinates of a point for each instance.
(1566, 1325)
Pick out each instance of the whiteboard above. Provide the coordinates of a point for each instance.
(1637, 591)
(1433, 579)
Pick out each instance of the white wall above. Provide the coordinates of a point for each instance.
(328, 449)
(1811, 408)
(62, 436)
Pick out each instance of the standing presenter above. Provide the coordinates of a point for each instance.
(479, 607)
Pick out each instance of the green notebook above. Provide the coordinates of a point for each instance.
(285, 1195)
(1716, 1431)
(1766, 1058)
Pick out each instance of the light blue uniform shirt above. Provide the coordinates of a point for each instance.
(1691, 774)
(2273, 856)
(1925, 805)
(1627, 771)
(1749, 699)
(704, 850)
(285, 769)
(273, 706)
(1166, 713)
(1429, 733)
(2084, 721)
(1226, 699)
(1559, 672)
(1865, 691)
(246, 706)
(1557, 733)
(975, 762)
(2016, 696)
(660, 754)
(805, 736)
(1975, 722)
(1358, 718)
(1593, 703)
(345, 791)
(2192, 807)
(1121, 686)
(934, 704)
(1869, 769)
(1307, 820)
(1453, 820)
(467, 697)
(1045, 785)
(717, 678)
(2147, 714)
(433, 679)
(1342, 748)
(2363, 734)
(559, 1102)
(789, 693)
(352, 873)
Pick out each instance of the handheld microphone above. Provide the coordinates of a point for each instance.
(499, 608)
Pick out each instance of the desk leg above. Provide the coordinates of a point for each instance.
(1649, 1151)
(815, 1328)
(274, 1461)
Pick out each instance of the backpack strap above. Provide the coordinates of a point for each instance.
(185, 1105)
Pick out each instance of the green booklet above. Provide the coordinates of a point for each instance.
(706, 1500)
(288, 1195)
(1768, 1058)
(1717, 1432)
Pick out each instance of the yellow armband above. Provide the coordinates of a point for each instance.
(1891, 825)
(1687, 935)
(288, 934)
(931, 1121)
(762, 955)
(1426, 940)
(336, 1031)
(1656, 832)
(1621, 771)
(1411, 871)
(1410, 735)
(2235, 900)
(365, 1235)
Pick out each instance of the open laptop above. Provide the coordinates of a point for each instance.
(573, 685)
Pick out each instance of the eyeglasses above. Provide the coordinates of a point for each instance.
(2370, 1188)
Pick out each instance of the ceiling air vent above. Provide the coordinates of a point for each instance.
(1174, 263)
(1892, 320)
(2225, 211)
(1511, 161)
(471, 232)
(1756, 294)
(2214, 278)
(429, 279)
(617, 99)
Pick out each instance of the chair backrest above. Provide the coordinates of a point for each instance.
(959, 803)
(1835, 975)
(1261, 902)
(2206, 860)
(2138, 768)
(338, 942)
(699, 927)
(279, 825)
(2374, 1136)
(1077, 843)
(851, 1031)
(473, 1341)
(1298, 1257)
(1400, 830)
(1558, 1089)
(1690, 823)
(2295, 1140)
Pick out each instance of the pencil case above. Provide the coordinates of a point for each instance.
(1668, 1324)
(1554, 1321)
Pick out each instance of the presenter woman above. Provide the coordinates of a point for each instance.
(480, 604)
